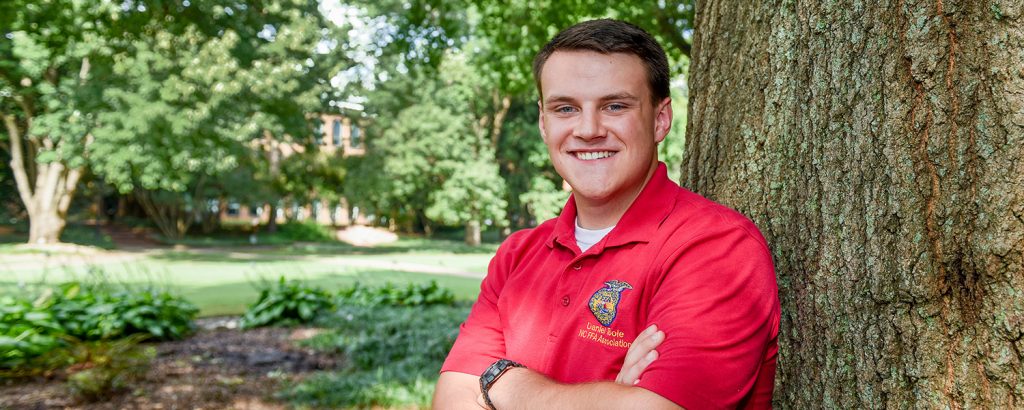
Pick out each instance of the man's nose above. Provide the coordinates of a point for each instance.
(589, 125)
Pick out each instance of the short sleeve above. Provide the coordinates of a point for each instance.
(718, 306)
(481, 341)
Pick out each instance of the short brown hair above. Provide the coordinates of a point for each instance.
(608, 36)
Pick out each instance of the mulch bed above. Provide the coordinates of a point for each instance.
(217, 368)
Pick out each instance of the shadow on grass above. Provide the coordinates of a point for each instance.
(74, 233)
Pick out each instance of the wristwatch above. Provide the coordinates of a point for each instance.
(492, 374)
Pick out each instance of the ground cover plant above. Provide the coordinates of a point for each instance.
(286, 303)
(27, 332)
(95, 313)
(49, 331)
(393, 354)
(393, 338)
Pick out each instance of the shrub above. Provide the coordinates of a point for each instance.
(92, 313)
(413, 294)
(36, 336)
(306, 231)
(27, 332)
(287, 303)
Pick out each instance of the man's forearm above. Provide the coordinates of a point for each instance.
(526, 389)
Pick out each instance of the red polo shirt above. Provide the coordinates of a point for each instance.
(698, 270)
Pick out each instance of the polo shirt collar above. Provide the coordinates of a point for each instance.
(655, 202)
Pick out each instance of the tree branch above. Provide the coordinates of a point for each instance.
(504, 103)
(29, 115)
(18, 164)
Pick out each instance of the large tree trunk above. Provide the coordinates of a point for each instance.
(46, 189)
(880, 148)
(472, 237)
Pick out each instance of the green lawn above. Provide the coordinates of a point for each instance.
(224, 280)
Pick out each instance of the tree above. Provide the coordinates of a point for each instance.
(46, 88)
(496, 43)
(153, 97)
(880, 148)
(473, 193)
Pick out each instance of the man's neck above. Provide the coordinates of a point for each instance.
(599, 214)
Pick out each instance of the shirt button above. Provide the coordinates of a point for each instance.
(577, 266)
(565, 300)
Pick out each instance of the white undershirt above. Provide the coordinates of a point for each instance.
(585, 238)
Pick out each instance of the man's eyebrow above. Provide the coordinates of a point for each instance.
(558, 99)
(620, 96)
(567, 99)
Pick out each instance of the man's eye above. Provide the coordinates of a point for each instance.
(565, 109)
(616, 107)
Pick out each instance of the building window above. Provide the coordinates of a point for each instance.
(355, 136)
(336, 135)
(318, 132)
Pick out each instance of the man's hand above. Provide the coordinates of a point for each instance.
(459, 389)
(640, 355)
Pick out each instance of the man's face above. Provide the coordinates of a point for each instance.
(599, 124)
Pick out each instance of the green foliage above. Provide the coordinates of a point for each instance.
(412, 294)
(671, 150)
(166, 97)
(290, 302)
(313, 175)
(93, 313)
(305, 231)
(544, 199)
(107, 367)
(27, 332)
(44, 335)
(394, 354)
(286, 303)
(473, 192)
(505, 36)
(432, 163)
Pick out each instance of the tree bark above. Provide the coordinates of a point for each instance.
(166, 210)
(473, 233)
(46, 189)
(879, 146)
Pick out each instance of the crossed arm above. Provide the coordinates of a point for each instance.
(521, 388)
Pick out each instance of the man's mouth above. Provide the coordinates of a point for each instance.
(590, 156)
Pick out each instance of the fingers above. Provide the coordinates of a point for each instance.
(640, 355)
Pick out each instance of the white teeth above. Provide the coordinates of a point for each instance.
(587, 156)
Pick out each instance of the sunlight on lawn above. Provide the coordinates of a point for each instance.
(224, 282)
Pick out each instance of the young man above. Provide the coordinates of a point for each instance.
(641, 294)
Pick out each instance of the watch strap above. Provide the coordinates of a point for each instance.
(491, 375)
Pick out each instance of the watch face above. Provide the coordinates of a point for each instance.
(493, 371)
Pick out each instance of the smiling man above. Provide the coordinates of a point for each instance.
(640, 294)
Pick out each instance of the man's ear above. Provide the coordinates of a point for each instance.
(662, 119)
(540, 121)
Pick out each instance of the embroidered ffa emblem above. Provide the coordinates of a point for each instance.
(605, 302)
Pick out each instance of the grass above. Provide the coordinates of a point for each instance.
(226, 288)
(79, 234)
(223, 281)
